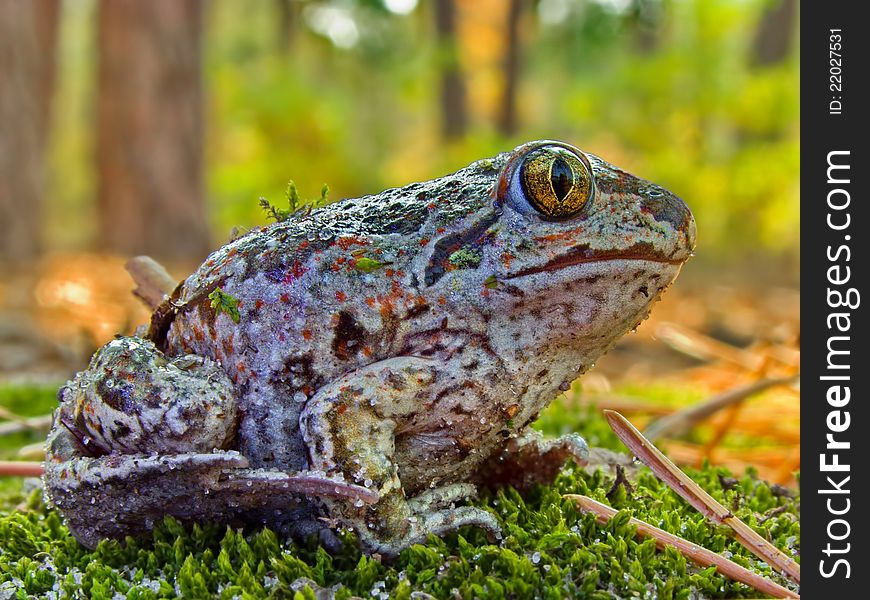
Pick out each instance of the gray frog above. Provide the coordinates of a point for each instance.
(366, 364)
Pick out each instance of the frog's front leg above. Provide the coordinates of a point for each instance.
(529, 459)
(139, 436)
(349, 426)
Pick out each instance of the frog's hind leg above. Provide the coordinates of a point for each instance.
(138, 436)
(349, 426)
(530, 459)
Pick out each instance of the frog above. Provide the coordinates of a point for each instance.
(370, 364)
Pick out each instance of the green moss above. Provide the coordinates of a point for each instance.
(465, 258)
(548, 549)
(367, 265)
(295, 203)
(222, 302)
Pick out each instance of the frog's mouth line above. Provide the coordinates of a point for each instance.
(583, 254)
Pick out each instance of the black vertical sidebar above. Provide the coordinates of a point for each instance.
(835, 439)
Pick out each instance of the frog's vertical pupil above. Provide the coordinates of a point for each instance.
(561, 178)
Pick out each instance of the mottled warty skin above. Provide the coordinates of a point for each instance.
(390, 351)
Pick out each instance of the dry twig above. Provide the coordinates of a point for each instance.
(703, 502)
(696, 553)
(704, 347)
(41, 424)
(681, 421)
(153, 281)
(18, 468)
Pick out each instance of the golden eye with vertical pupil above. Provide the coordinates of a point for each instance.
(555, 181)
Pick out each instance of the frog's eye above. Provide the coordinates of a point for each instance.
(556, 181)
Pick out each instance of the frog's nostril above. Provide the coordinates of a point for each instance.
(665, 206)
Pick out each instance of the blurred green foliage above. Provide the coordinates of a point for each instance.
(665, 89)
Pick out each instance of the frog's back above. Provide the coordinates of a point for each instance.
(329, 285)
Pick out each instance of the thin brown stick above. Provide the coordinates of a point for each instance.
(700, 346)
(30, 424)
(153, 281)
(683, 420)
(7, 414)
(34, 451)
(19, 468)
(697, 554)
(703, 502)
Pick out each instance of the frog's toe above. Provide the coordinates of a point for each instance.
(305, 483)
(445, 521)
(441, 497)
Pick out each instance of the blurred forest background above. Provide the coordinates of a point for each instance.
(153, 127)
(131, 127)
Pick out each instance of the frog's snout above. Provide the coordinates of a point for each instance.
(668, 207)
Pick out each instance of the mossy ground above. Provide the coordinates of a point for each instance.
(548, 550)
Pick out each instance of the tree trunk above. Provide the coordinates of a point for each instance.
(28, 36)
(507, 122)
(287, 17)
(773, 39)
(454, 112)
(150, 128)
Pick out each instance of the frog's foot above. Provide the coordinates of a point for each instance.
(117, 495)
(422, 525)
(440, 497)
(349, 426)
(530, 459)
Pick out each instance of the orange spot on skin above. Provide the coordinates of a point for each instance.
(342, 408)
(285, 298)
(295, 271)
(306, 389)
(232, 252)
(431, 205)
(386, 308)
(389, 272)
(346, 242)
(258, 304)
(556, 237)
(367, 351)
(340, 296)
(512, 410)
(485, 293)
(306, 334)
(506, 259)
(229, 348)
(442, 300)
(440, 230)
(423, 242)
(370, 302)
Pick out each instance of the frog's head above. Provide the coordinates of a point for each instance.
(580, 251)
